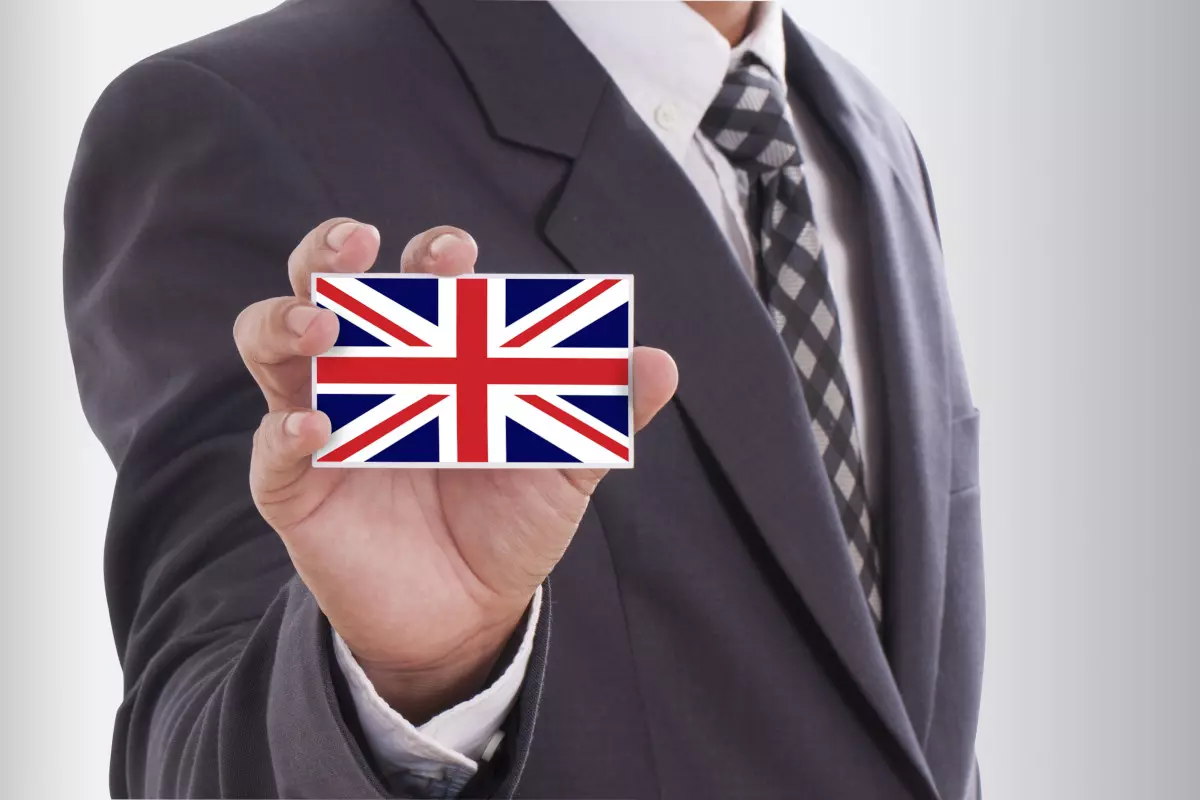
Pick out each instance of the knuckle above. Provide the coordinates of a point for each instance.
(265, 435)
(412, 250)
(239, 325)
(258, 330)
(298, 259)
(584, 481)
(247, 329)
(243, 326)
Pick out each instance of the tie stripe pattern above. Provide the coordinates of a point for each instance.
(748, 123)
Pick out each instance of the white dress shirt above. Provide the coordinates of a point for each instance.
(669, 64)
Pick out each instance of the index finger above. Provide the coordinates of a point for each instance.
(336, 245)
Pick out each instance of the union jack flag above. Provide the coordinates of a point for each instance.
(480, 370)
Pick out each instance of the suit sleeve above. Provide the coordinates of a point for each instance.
(446, 750)
(183, 206)
(927, 184)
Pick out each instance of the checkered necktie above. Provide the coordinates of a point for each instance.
(748, 124)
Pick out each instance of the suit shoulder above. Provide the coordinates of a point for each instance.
(303, 49)
(309, 36)
(859, 89)
(878, 114)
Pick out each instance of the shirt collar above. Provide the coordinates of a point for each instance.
(765, 40)
(667, 60)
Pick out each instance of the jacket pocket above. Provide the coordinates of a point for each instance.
(964, 452)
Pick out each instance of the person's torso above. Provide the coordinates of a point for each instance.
(686, 656)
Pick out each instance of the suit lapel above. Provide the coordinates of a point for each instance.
(912, 314)
(626, 206)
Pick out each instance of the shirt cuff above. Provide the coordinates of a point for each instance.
(447, 748)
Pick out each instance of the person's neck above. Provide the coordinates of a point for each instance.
(731, 19)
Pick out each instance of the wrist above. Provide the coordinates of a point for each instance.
(421, 691)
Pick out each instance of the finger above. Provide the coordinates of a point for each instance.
(283, 448)
(336, 245)
(445, 250)
(655, 378)
(276, 338)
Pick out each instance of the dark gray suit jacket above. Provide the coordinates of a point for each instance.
(706, 636)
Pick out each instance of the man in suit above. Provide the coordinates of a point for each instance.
(783, 599)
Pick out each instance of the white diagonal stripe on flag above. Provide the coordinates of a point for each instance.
(608, 300)
(547, 394)
(500, 333)
(402, 398)
(555, 432)
(415, 324)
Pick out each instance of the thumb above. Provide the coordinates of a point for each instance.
(655, 378)
(283, 448)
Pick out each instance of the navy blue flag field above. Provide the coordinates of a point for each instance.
(479, 370)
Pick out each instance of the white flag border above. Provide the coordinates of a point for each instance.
(628, 352)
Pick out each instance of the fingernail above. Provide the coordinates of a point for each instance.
(339, 233)
(293, 423)
(300, 318)
(439, 245)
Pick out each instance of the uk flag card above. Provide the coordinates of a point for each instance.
(477, 371)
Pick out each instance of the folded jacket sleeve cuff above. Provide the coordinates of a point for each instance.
(447, 748)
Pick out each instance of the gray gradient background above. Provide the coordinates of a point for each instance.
(1061, 136)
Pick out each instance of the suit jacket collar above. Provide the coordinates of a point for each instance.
(538, 86)
(626, 206)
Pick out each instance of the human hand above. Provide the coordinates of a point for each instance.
(424, 573)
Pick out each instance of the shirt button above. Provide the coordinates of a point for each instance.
(492, 745)
(666, 115)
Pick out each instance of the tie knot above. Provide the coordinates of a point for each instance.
(748, 123)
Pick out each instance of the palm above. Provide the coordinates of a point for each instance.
(460, 541)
